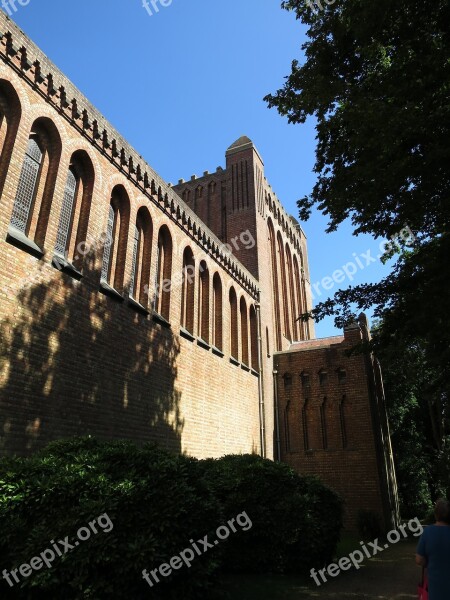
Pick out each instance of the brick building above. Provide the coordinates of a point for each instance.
(131, 308)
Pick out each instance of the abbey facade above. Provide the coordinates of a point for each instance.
(132, 308)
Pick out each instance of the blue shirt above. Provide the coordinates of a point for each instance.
(434, 545)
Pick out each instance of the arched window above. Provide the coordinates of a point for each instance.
(114, 255)
(300, 306)
(217, 312)
(244, 331)
(342, 418)
(35, 191)
(303, 286)
(287, 427)
(287, 324)
(234, 328)
(203, 302)
(10, 115)
(305, 410)
(163, 283)
(291, 292)
(140, 266)
(188, 291)
(254, 339)
(275, 290)
(323, 423)
(74, 218)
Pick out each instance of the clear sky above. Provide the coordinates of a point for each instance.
(184, 83)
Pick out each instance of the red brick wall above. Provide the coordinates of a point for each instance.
(76, 361)
(341, 420)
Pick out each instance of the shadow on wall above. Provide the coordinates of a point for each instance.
(74, 362)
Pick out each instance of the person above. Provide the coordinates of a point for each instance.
(433, 552)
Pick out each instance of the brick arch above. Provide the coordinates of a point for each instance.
(115, 248)
(141, 258)
(244, 330)
(254, 339)
(291, 293)
(283, 287)
(203, 300)
(71, 240)
(299, 301)
(275, 285)
(217, 311)
(234, 326)
(37, 180)
(188, 290)
(10, 117)
(163, 277)
(80, 144)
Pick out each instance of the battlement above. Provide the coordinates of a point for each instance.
(17, 50)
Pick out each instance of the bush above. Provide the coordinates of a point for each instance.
(296, 520)
(157, 503)
(154, 502)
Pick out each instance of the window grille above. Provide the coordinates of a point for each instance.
(27, 186)
(107, 253)
(135, 261)
(65, 220)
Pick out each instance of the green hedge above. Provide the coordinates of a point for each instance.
(154, 502)
(157, 502)
(296, 520)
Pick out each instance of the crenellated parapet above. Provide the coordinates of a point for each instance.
(33, 66)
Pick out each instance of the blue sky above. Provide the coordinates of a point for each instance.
(183, 84)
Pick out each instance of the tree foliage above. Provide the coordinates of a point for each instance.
(376, 77)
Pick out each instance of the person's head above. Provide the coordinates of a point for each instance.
(442, 510)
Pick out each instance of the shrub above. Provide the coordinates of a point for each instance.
(154, 502)
(296, 520)
(158, 503)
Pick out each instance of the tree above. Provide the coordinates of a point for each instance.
(376, 77)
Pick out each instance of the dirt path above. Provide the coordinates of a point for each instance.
(391, 575)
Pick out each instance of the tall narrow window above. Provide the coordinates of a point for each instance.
(286, 312)
(234, 328)
(135, 260)
(342, 410)
(244, 331)
(323, 423)
(140, 265)
(287, 427)
(75, 211)
(114, 256)
(161, 300)
(10, 115)
(28, 182)
(203, 302)
(275, 289)
(110, 230)
(254, 339)
(299, 302)
(65, 222)
(217, 311)
(35, 190)
(188, 291)
(291, 293)
(305, 425)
